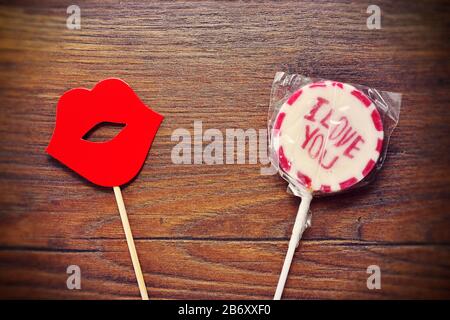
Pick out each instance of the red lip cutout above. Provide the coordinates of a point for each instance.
(111, 163)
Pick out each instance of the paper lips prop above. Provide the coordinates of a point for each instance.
(111, 163)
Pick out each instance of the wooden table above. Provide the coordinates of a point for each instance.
(221, 231)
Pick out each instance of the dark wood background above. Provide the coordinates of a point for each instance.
(210, 232)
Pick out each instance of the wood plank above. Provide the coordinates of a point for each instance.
(215, 62)
(226, 270)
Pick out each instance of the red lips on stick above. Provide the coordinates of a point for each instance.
(114, 162)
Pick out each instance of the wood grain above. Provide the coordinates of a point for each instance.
(221, 231)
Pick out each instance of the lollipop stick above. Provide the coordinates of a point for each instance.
(297, 231)
(130, 242)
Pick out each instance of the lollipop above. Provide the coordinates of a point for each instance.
(326, 138)
(111, 163)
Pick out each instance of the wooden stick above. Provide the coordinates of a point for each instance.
(130, 242)
(297, 231)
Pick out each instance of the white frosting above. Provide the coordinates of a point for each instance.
(331, 135)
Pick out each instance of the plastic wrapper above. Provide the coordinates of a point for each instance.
(327, 136)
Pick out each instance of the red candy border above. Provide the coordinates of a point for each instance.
(305, 180)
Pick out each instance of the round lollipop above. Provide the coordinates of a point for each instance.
(326, 138)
